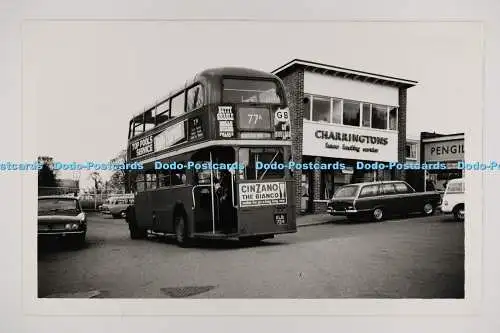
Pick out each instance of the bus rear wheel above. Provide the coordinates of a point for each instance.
(136, 232)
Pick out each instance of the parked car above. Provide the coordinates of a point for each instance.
(62, 217)
(377, 200)
(117, 205)
(454, 199)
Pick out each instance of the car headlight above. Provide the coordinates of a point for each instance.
(445, 203)
(82, 217)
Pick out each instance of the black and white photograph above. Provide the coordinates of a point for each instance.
(249, 166)
(252, 160)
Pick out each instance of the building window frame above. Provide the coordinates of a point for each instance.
(413, 149)
(362, 104)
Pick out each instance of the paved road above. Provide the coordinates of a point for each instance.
(411, 258)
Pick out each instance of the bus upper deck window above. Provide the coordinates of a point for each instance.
(162, 112)
(194, 98)
(149, 120)
(138, 126)
(251, 91)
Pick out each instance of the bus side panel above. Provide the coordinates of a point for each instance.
(261, 219)
(142, 205)
(163, 202)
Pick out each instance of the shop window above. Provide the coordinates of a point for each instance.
(351, 113)
(327, 186)
(393, 119)
(336, 111)
(379, 117)
(367, 117)
(321, 109)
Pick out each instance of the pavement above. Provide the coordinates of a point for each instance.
(419, 257)
(316, 219)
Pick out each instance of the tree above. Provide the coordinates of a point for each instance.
(117, 181)
(46, 175)
(96, 177)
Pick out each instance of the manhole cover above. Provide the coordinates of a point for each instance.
(180, 292)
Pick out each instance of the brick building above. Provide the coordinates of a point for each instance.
(342, 115)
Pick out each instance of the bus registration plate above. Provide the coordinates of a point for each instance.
(280, 219)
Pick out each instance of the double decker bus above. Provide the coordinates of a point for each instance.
(207, 152)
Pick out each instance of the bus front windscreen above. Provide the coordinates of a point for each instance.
(251, 91)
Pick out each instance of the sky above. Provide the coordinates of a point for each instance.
(85, 79)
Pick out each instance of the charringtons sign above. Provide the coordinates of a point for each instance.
(336, 141)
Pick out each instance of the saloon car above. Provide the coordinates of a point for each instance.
(454, 199)
(62, 217)
(378, 200)
(117, 206)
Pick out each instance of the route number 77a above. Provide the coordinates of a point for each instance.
(253, 118)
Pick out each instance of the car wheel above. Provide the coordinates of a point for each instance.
(180, 231)
(459, 213)
(115, 216)
(428, 209)
(123, 214)
(378, 214)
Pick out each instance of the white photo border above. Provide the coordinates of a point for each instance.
(254, 307)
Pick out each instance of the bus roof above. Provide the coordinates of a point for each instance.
(211, 75)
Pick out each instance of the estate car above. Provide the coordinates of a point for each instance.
(377, 200)
(62, 217)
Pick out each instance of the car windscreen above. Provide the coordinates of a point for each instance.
(346, 192)
(55, 204)
(455, 188)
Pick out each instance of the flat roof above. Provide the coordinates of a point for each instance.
(347, 73)
(436, 137)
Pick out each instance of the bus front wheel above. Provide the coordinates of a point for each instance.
(135, 231)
